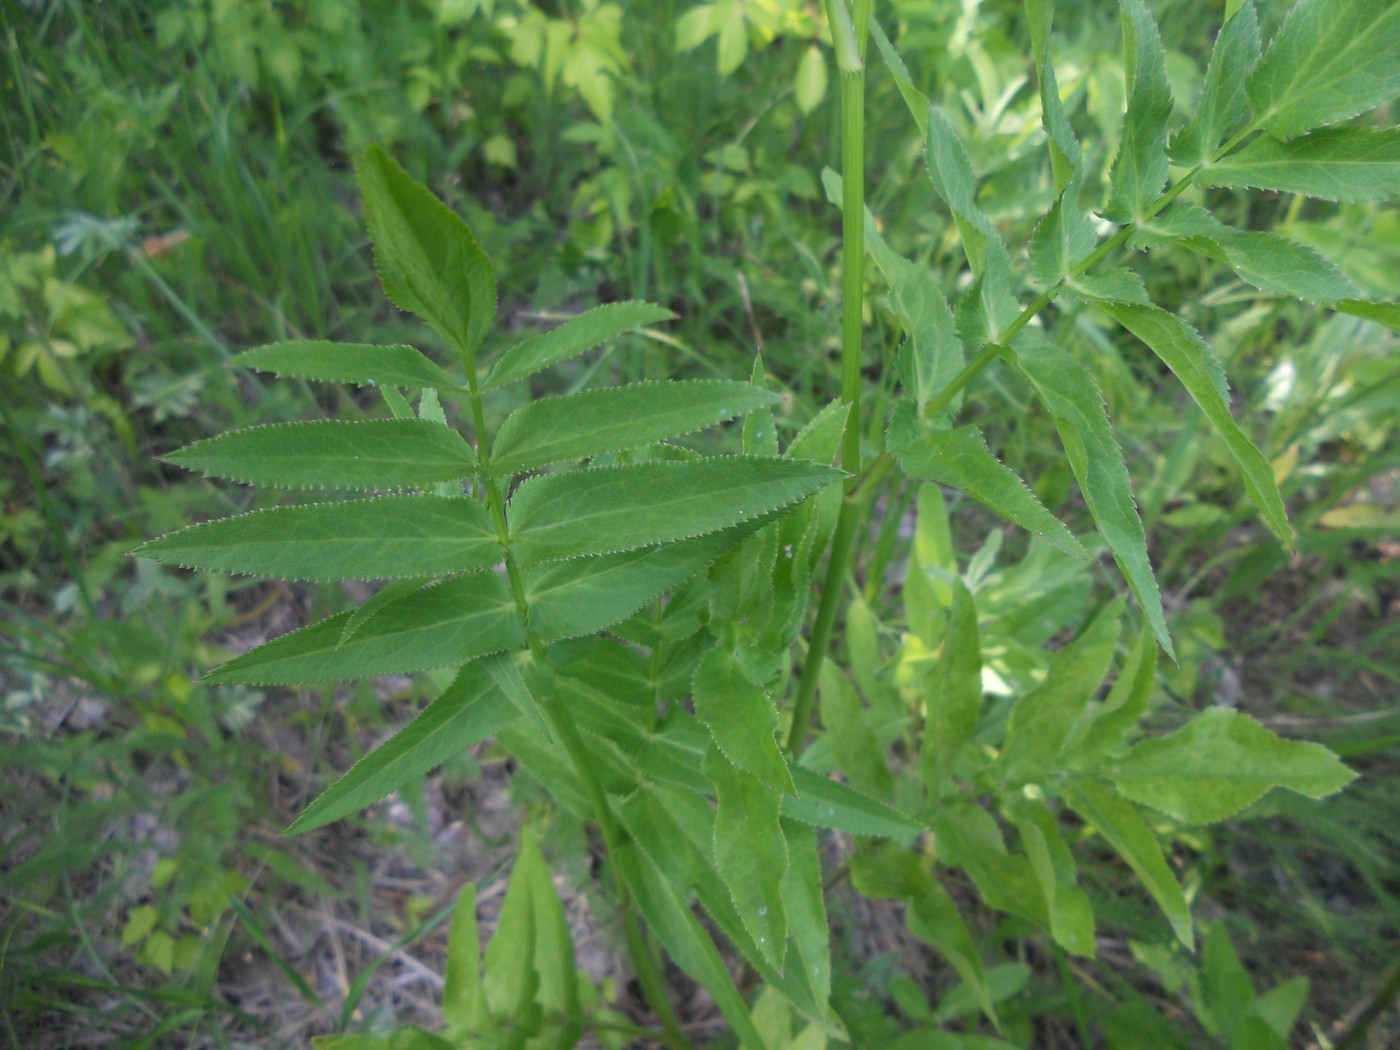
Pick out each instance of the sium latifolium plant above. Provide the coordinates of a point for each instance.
(631, 630)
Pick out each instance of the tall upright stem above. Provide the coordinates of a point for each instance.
(848, 34)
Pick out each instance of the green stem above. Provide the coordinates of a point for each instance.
(849, 31)
(644, 963)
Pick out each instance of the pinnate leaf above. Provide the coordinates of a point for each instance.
(1140, 170)
(955, 182)
(427, 259)
(442, 626)
(1184, 352)
(1337, 164)
(1069, 393)
(468, 711)
(573, 337)
(960, 458)
(373, 454)
(595, 422)
(358, 363)
(1220, 762)
(611, 509)
(1331, 60)
(741, 717)
(384, 538)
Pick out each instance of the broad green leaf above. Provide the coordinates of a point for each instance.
(751, 852)
(468, 711)
(1387, 314)
(1071, 914)
(386, 595)
(955, 182)
(462, 1003)
(606, 510)
(589, 329)
(685, 939)
(1124, 706)
(372, 454)
(1331, 60)
(595, 422)
(1062, 239)
(1224, 101)
(374, 539)
(960, 458)
(890, 872)
(1120, 823)
(809, 86)
(503, 670)
(801, 890)
(1041, 721)
(1069, 393)
(1337, 164)
(859, 753)
(1140, 170)
(1227, 993)
(827, 803)
(952, 694)
(442, 626)
(510, 980)
(741, 717)
(915, 99)
(1184, 352)
(582, 596)
(1280, 1006)
(427, 259)
(358, 363)
(1220, 762)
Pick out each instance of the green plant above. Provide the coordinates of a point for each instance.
(626, 630)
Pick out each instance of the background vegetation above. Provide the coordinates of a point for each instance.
(176, 185)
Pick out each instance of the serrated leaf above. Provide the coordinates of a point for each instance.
(443, 626)
(606, 510)
(810, 948)
(589, 329)
(595, 422)
(384, 538)
(428, 261)
(751, 852)
(1387, 314)
(1066, 156)
(932, 915)
(1220, 762)
(1140, 169)
(569, 599)
(1069, 393)
(970, 838)
(960, 458)
(372, 454)
(1184, 352)
(358, 363)
(386, 595)
(1337, 164)
(468, 711)
(502, 669)
(915, 99)
(952, 694)
(1120, 823)
(1062, 239)
(510, 981)
(1041, 721)
(1125, 704)
(1071, 914)
(685, 939)
(1331, 60)
(741, 717)
(809, 86)
(1224, 101)
(955, 182)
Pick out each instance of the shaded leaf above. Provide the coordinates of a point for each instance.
(952, 694)
(442, 626)
(595, 422)
(383, 538)
(741, 717)
(1140, 169)
(1337, 164)
(1071, 914)
(589, 329)
(468, 711)
(1224, 100)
